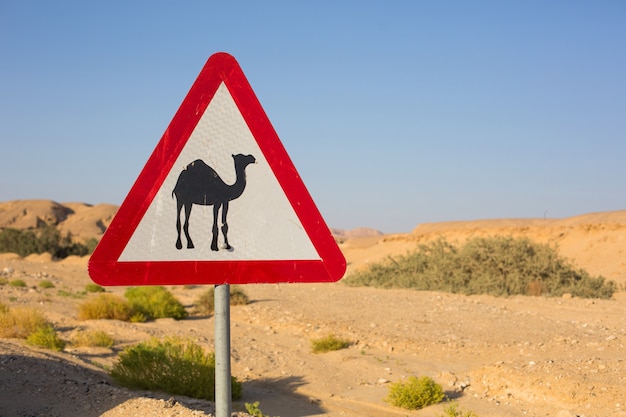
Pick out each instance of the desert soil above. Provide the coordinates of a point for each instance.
(518, 356)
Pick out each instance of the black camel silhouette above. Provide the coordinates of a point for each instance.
(199, 184)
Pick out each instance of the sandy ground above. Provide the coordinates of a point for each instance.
(523, 356)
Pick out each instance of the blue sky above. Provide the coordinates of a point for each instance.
(394, 113)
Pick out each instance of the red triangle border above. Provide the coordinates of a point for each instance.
(104, 267)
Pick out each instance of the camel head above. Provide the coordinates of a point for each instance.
(244, 160)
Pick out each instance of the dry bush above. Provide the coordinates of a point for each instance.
(92, 338)
(205, 303)
(105, 306)
(238, 297)
(20, 322)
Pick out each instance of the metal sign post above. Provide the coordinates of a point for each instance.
(222, 351)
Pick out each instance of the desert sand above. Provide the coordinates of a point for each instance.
(518, 356)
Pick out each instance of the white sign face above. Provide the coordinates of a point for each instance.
(262, 224)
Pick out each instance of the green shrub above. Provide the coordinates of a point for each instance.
(17, 283)
(205, 303)
(173, 365)
(155, 302)
(453, 410)
(500, 266)
(20, 322)
(254, 410)
(45, 337)
(92, 338)
(138, 317)
(329, 343)
(3, 281)
(43, 239)
(92, 287)
(45, 283)
(105, 306)
(69, 293)
(415, 393)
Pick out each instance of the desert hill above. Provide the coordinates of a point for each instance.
(82, 221)
(594, 241)
(342, 234)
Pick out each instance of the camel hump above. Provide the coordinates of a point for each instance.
(196, 163)
(199, 167)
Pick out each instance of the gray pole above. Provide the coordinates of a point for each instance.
(222, 351)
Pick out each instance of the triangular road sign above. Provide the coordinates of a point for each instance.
(219, 201)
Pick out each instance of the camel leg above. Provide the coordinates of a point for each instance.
(179, 206)
(216, 209)
(186, 225)
(225, 225)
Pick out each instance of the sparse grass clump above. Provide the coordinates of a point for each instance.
(92, 287)
(415, 393)
(328, 344)
(71, 294)
(92, 338)
(205, 303)
(105, 306)
(17, 283)
(453, 410)
(46, 337)
(45, 283)
(254, 410)
(155, 302)
(499, 266)
(173, 365)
